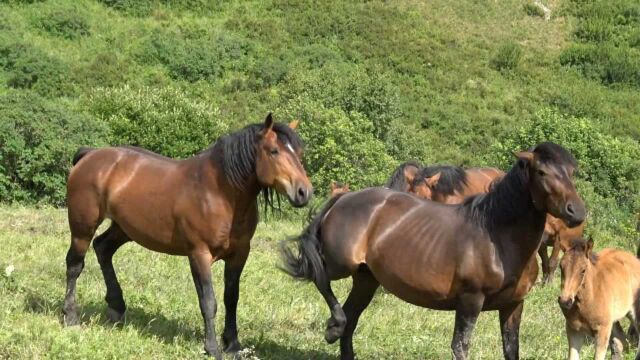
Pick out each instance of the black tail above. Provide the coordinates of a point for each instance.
(308, 263)
(80, 154)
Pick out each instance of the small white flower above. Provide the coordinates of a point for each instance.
(9, 270)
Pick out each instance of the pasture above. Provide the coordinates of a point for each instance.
(278, 318)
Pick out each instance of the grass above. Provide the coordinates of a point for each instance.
(278, 318)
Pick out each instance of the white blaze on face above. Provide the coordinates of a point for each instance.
(290, 148)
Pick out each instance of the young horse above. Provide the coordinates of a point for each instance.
(338, 188)
(597, 292)
(471, 257)
(558, 236)
(451, 184)
(203, 207)
(403, 176)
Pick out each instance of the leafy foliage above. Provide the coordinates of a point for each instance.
(163, 120)
(37, 141)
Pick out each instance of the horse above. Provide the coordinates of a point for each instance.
(451, 184)
(558, 236)
(204, 208)
(338, 188)
(598, 290)
(476, 256)
(403, 176)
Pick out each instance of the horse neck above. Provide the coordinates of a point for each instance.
(585, 292)
(508, 209)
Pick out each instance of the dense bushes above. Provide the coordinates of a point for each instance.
(162, 120)
(66, 22)
(37, 141)
(507, 56)
(28, 67)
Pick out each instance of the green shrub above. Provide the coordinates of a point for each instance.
(611, 164)
(146, 7)
(105, 70)
(37, 141)
(340, 146)
(507, 56)
(606, 63)
(595, 30)
(351, 89)
(65, 22)
(162, 120)
(28, 67)
(533, 10)
(194, 57)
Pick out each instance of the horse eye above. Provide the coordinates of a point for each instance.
(275, 151)
(541, 173)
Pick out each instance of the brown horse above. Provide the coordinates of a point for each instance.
(558, 236)
(338, 188)
(597, 292)
(476, 256)
(203, 207)
(451, 184)
(403, 176)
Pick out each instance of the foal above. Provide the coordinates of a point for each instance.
(597, 291)
(558, 236)
(203, 208)
(451, 184)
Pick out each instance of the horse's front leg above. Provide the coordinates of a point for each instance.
(200, 264)
(467, 312)
(510, 317)
(232, 271)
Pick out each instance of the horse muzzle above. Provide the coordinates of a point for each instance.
(299, 195)
(565, 303)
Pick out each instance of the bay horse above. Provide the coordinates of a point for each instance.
(476, 256)
(598, 290)
(403, 176)
(204, 207)
(338, 188)
(558, 236)
(451, 184)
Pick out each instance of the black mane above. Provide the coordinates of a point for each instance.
(236, 155)
(397, 181)
(509, 198)
(452, 178)
(236, 152)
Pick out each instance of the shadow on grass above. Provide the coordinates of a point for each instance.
(148, 324)
(164, 329)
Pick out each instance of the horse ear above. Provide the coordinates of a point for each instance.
(589, 246)
(333, 185)
(294, 124)
(346, 187)
(524, 157)
(433, 180)
(410, 173)
(268, 122)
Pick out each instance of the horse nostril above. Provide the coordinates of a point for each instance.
(570, 210)
(301, 193)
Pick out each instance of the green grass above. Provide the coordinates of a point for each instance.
(278, 317)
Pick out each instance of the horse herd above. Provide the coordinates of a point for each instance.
(438, 237)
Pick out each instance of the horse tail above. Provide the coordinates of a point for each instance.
(307, 263)
(80, 154)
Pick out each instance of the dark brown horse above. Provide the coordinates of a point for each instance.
(203, 207)
(451, 184)
(403, 176)
(476, 256)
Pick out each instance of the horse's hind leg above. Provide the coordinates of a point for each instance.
(617, 341)
(83, 225)
(544, 259)
(364, 287)
(105, 246)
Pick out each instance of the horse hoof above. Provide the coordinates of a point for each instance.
(232, 347)
(213, 353)
(115, 316)
(71, 319)
(334, 331)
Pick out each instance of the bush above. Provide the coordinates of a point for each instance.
(30, 68)
(69, 23)
(105, 70)
(162, 120)
(533, 10)
(37, 142)
(595, 30)
(146, 7)
(351, 89)
(194, 57)
(507, 56)
(611, 164)
(341, 145)
(606, 63)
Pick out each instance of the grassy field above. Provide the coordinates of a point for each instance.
(278, 317)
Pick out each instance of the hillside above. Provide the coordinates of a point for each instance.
(373, 82)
